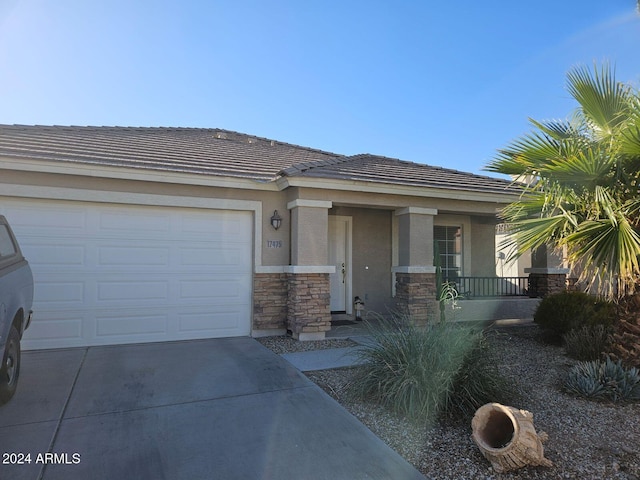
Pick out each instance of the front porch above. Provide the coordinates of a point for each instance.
(487, 311)
(387, 258)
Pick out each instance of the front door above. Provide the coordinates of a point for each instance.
(340, 257)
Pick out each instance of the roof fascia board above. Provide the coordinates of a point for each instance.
(128, 173)
(393, 189)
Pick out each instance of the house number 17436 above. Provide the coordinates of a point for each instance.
(274, 243)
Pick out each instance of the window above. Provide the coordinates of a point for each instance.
(447, 241)
(7, 247)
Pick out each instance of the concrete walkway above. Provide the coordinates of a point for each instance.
(323, 359)
(328, 358)
(348, 357)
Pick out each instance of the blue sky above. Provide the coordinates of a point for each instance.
(443, 83)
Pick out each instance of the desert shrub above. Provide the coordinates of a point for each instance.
(587, 342)
(420, 372)
(563, 312)
(603, 380)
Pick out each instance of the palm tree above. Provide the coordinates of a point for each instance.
(582, 189)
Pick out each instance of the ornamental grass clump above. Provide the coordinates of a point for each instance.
(478, 381)
(420, 372)
(607, 380)
(587, 342)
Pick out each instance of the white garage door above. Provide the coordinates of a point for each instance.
(110, 274)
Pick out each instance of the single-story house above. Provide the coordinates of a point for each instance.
(153, 234)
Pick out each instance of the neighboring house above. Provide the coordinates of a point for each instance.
(153, 234)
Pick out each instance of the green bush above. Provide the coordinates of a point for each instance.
(603, 380)
(420, 372)
(587, 342)
(562, 312)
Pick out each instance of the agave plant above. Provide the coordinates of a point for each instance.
(604, 379)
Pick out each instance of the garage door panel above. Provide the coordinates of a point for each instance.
(227, 225)
(223, 255)
(204, 322)
(68, 220)
(141, 291)
(132, 256)
(42, 254)
(62, 326)
(125, 222)
(123, 325)
(221, 289)
(59, 294)
(125, 274)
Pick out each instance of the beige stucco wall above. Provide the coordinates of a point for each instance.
(276, 245)
(415, 238)
(483, 247)
(309, 229)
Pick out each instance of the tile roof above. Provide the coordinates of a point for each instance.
(378, 169)
(220, 152)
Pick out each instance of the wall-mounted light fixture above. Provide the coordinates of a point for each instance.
(276, 220)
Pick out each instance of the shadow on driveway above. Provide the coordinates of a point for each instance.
(203, 409)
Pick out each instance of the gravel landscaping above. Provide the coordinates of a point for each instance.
(587, 439)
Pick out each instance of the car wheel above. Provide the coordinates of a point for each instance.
(10, 368)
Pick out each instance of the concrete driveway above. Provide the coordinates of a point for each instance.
(205, 409)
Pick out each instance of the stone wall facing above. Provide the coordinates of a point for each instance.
(270, 301)
(308, 305)
(416, 297)
(543, 284)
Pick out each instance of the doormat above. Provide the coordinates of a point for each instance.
(340, 323)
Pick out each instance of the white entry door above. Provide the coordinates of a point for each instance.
(340, 257)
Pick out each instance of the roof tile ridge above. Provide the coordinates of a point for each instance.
(302, 167)
(273, 142)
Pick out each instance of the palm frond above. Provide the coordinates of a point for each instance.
(525, 155)
(630, 140)
(557, 129)
(608, 249)
(582, 168)
(604, 101)
(605, 204)
(535, 232)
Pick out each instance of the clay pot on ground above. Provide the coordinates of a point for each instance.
(507, 438)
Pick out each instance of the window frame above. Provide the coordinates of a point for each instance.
(459, 228)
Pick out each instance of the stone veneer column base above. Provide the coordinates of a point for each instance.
(543, 284)
(270, 302)
(416, 296)
(308, 307)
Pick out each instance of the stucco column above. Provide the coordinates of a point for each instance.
(416, 274)
(308, 297)
(547, 274)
